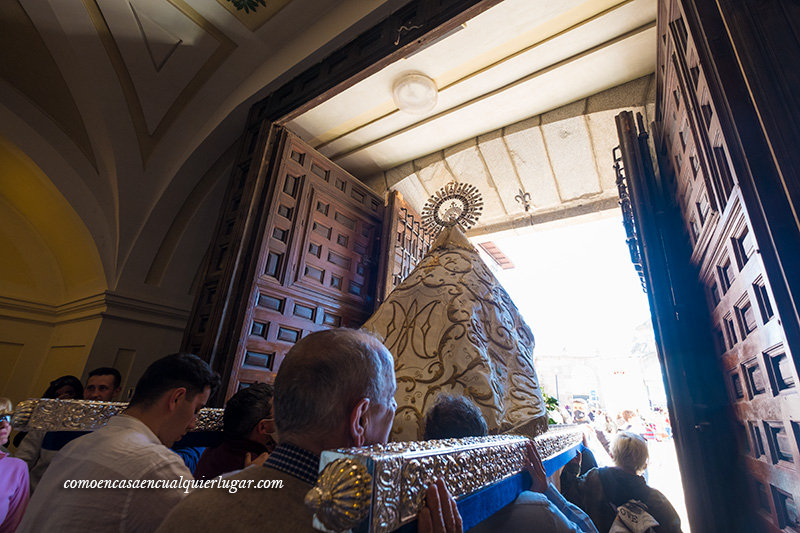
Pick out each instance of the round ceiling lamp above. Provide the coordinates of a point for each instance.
(415, 93)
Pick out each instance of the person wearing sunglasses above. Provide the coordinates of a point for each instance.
(63, 388)
(14, 493)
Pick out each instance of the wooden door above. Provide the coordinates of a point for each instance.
(405, 243)
(300, 246)
(719, 259)
(309, 261)
(317, 260)
(726, 189)
(702, 426)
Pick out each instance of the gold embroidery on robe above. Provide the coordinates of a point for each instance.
(453, 329)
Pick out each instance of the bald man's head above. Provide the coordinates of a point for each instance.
(325, 375)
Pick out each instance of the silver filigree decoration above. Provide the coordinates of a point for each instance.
(402, 470)
(341, 497)
(209, 419)
(454, 204)
(81, 415)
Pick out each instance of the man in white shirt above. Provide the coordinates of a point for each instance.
(131, 448)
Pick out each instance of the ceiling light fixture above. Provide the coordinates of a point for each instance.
(415, 93)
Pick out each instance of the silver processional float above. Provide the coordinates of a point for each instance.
(452, 329)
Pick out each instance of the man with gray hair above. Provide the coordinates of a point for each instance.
(334, 389)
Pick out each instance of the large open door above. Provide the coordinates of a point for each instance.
(704, 436)
(300, 246)
(720, 240)
(317, 259)
(306, 259)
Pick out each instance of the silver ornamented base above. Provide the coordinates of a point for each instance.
(401, 471)
(82, 415)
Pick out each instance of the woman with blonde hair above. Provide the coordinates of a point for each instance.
(14, 493)
(601, 490)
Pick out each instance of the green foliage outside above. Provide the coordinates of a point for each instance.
(551, 403)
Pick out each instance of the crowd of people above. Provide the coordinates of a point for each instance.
(335, 389)
(652, 425)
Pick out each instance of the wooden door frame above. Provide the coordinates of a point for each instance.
(702, 423)
(385, 43)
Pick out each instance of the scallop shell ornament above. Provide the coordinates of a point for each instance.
(342, 495)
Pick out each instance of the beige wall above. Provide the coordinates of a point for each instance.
(67, 305)
(33, 353)
(37, 346)
(130, 346)
(22, 349)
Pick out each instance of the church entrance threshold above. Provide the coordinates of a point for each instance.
(574, 284)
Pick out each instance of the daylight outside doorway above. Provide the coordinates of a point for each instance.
(575, 285)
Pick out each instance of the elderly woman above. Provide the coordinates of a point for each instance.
(601, 490)
(13, 477)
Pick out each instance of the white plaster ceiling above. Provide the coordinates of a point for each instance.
(132, 110)
(561, 158)
(515, 108)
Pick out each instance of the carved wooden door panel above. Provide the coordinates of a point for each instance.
(405, 243)
(734, 215)
(317, 260)
(300, 246)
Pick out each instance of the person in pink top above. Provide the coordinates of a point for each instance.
(14, 492)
